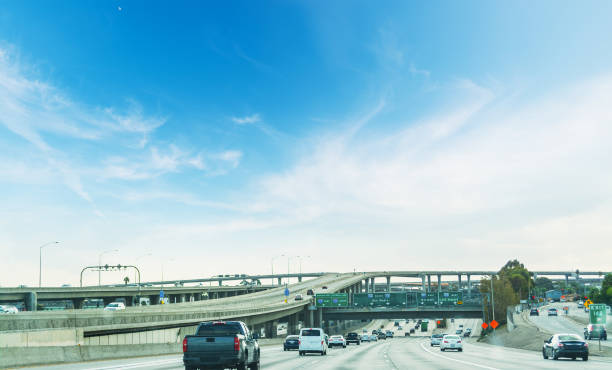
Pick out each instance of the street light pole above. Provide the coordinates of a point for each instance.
(300, 259)
(40, 261)
(272, 265)
(100, 264)
(492, 299)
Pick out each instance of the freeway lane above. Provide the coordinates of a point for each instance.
(561, 323)
(392, 354)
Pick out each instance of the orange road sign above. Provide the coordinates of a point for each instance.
(494, 324)
(485, 325)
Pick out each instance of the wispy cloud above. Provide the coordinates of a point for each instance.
(418, 72)
(254, 118)
(169, 160)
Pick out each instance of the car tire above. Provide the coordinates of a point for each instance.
(555, 356)
(544, 355)
(301, 353)
(242, 366)
(460, 349)
(255, 365)
(344, 346)
(358, 343)
(573, 358)
(585, 358)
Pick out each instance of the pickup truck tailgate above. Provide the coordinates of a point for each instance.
(210, 345)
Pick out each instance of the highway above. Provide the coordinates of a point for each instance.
(397, 353)
(563, 324)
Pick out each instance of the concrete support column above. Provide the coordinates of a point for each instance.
(292, 324)
(300, 279)
(220, 282)
(78, 303)
(280, 281)
(373, 289)
(566, 281)
(310, 321)
(319, 318)
(429, 283)
(469, 286)
(459, 282)
(183, 298)
(439, 283)
(388, 283)
(270, 329)
(423, 282)
(31, 301)
(367, 285)
(154, 299)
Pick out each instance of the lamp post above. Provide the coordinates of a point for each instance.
(100, 263)
(40, 261)
(492, 299)
(162, 270)
(272, 265)
(300, 259)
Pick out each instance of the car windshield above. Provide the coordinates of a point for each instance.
(336, 337)
(453, 337)
(292, 337)
(437, 335)
(311, 333)
(569, 337)
(113, 305)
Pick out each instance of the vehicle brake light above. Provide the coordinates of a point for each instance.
(445, 341)
(586, 344)
(560, 344)
(236, 344)
(322, 341)
(184, 344)
(458, 341)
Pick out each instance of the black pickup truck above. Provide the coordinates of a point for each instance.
(219, 345)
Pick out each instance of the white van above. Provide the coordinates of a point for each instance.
(312, 340)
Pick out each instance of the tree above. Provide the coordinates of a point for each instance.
(544, 284)
(518, 276)
(126, 280)
(594, 295)
(503, 296)
(606, 289)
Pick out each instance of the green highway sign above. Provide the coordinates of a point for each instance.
(379, 299)
(331, 300)
(597, 313)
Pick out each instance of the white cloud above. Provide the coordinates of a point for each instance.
(254, 118)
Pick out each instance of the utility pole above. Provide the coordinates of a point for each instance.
(492, 299)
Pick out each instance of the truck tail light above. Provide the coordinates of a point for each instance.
(299, 342)
(322, 341)
(586, 344)
(445, 341)
(236, 344)
(184, 344)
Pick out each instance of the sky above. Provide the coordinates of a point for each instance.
(200, 138)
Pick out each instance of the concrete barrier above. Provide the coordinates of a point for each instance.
(22, 356)
(42, 338)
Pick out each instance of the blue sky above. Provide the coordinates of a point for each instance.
(216, 136)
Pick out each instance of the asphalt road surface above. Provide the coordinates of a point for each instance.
(396, 353)
(562, 324)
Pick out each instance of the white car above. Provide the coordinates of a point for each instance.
(312, 340)
(451, 342)
(8, 309)
(373, 338)
(115, 306)
(365, 338)
(337, 341)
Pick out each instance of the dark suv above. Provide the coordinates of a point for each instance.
(534, 312)
(353, 338)
(595, 331)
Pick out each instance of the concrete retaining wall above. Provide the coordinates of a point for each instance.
(41, 338)
(14, 356)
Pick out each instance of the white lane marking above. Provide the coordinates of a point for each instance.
(139, 364)
(456, 360)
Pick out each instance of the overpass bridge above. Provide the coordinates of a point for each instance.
(161, 327)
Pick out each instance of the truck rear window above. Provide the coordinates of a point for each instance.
(219, 330)
(311, 333)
